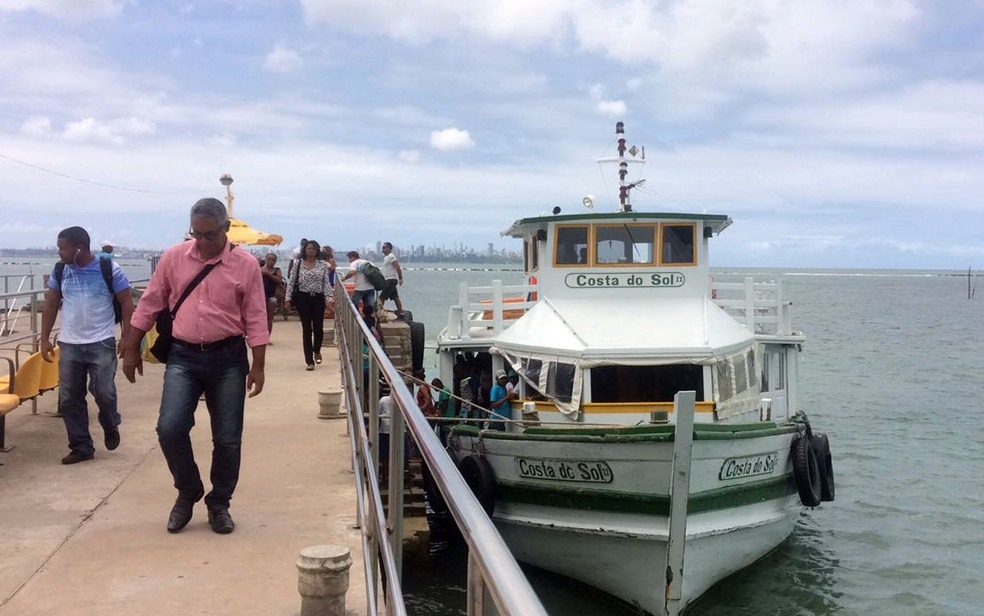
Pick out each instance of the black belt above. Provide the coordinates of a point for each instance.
(205, 347)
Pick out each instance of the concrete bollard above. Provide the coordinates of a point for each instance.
(323, 579)
(330, 403)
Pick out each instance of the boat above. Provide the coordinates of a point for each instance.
(655, 444)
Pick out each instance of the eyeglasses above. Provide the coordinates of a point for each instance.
(208, 235)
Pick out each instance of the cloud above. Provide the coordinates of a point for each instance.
(615, 109)
(66, 9)
(409, 156)
(37, 126)
(114, 132)
(451, 139)
(282, 60)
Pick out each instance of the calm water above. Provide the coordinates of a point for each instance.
(893, 371)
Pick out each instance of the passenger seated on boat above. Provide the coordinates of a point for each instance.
(582, 256)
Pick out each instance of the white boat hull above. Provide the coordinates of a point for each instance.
(612, 535)
(632, 566)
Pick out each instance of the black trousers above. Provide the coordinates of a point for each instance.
(311, 310)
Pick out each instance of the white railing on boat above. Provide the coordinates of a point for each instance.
(758, 304)
(492, 307)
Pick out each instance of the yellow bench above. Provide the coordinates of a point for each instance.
(18, 387)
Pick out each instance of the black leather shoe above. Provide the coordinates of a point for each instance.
(220, 521)
(76, 456)
(112, 439)
(181, 512)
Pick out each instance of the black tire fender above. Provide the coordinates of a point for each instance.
(416, 345)
(806, 471)
(407, 316)
(478, 475)
(821, 447)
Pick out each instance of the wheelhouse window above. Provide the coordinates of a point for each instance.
(645, 383)
(625, 244)
(571, 245)
(678, 242)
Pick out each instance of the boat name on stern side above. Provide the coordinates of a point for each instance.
(736, 468)
(594, 471)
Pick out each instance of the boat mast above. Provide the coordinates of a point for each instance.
(623, 170)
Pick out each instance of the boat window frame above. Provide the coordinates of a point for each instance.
(693, 228)
(593, 249)
(533, 254)
(589, 236)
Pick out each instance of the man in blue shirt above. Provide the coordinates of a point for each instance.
(87, 339)
(499, 401)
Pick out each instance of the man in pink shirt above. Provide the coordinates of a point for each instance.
(224, 313)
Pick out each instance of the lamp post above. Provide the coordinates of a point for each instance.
(226, 181)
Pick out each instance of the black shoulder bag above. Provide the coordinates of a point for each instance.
(165, 318)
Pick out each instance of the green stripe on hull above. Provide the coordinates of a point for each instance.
(651, 504)
(634, 434)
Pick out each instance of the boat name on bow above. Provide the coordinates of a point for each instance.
(593, 471)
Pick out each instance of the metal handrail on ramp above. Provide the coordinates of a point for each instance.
(494, 576)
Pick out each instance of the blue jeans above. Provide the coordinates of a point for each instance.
(95, 361)
(368, 298)
(221, 375)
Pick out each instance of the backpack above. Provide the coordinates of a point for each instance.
(106, 267)
(374, 276)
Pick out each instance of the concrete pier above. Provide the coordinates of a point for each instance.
(90, 538)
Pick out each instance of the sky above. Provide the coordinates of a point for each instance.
(835, 133)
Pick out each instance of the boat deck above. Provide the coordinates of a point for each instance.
(90, 538)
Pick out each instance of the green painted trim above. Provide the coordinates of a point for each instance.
(588, 499)
(625, 216)
(633, 434)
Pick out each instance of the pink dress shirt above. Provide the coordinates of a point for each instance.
(228, 302)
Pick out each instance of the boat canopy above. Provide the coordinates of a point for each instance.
(626, 332)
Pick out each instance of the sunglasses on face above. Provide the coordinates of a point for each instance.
(208, 235)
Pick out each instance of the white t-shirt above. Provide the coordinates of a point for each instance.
(385, 412)
(361, 282)
(388, 269)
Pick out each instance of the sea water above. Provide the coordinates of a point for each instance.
(893, 371)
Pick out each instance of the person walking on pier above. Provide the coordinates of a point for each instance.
(84, 288)
(225, 313)
(364, 290)
(308, 289)
(393, 274)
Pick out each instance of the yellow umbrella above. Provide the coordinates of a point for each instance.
(242, 233)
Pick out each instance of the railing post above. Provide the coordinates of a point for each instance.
(750, 304)
(476, 589)
(394, 517)
(683, 445)
(497, 306)
(463, 301)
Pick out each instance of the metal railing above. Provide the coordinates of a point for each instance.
(494, 576)
(758, 304)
